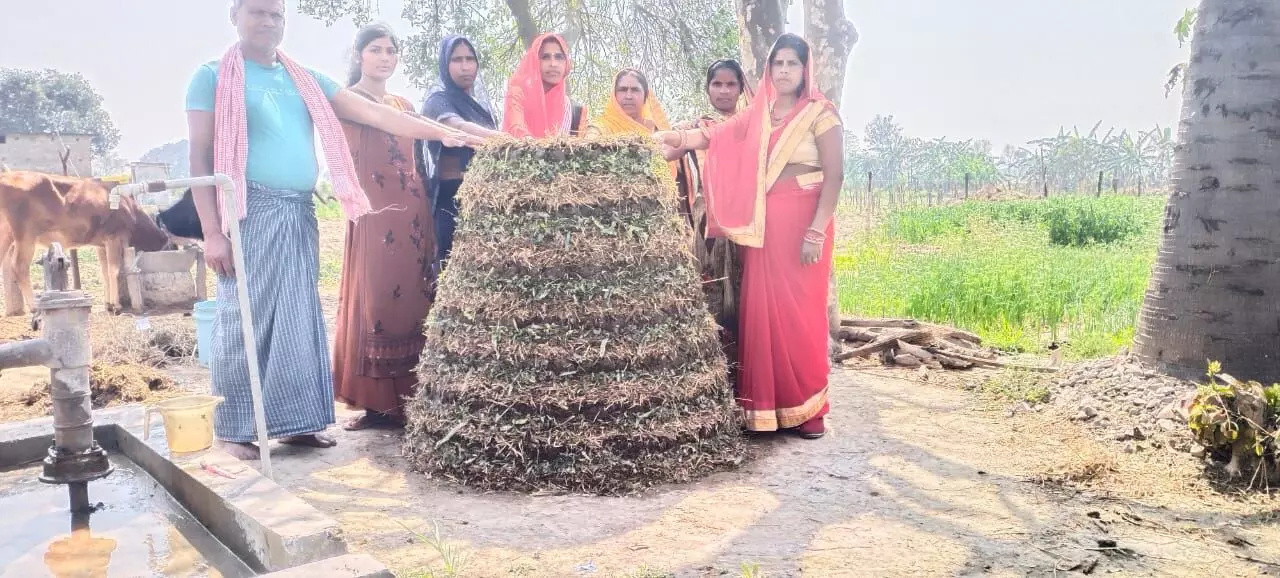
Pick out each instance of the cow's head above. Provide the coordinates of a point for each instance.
(182, 220)
(146, 235)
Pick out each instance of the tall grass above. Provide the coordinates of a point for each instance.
(1020, 273)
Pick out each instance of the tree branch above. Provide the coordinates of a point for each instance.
(526, 27)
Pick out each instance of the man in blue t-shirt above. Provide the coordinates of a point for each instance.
(279, 235)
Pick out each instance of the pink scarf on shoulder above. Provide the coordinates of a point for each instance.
(231, 134)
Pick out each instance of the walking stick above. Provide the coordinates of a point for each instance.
(242, 287)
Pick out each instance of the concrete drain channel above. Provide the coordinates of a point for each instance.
(157, 514)
(87, 493)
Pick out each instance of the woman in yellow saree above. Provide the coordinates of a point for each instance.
(632, 109)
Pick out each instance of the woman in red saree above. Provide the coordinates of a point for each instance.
(772, 177)
(538, 104)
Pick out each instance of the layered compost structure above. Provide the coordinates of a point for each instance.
(570, 347)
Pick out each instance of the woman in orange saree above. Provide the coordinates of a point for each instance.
(771, 181)
(538, 104)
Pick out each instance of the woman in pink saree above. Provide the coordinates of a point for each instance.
(772, 177)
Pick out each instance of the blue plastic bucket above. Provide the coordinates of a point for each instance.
(204, 313)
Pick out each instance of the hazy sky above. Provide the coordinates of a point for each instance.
(1004, 70)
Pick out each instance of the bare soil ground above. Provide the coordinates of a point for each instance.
(914, 479)
(931, 478)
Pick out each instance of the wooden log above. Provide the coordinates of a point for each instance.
(856, 334)
(964, 335)
(918, 352)
(202, 276)
(889, 339)
(891, 323)
(948, 346)
(1001, 364)
(952, 363)
(133, 282)
(906, 360)
(958, 343)
(75, 269)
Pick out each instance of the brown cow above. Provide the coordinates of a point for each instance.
(36, 208)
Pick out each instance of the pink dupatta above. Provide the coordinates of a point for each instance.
(742, 165)
(531, 110)
(231, 135)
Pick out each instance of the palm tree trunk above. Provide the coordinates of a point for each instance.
(1215, 290)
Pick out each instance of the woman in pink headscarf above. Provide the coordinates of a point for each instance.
(772, 177)
(538, 104)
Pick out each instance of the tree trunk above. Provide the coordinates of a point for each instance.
(760, 23)
(1215, 290)
(831, 37)
(526, 27)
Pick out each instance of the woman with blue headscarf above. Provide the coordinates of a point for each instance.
(459, 104)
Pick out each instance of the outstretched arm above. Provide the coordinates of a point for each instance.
(355, 108)
(471, 128)
(683, 140)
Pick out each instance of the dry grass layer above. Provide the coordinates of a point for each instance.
(570, 348)
(128, 363)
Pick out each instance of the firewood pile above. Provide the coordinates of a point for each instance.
(911, 344)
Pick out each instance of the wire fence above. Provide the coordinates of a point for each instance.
(870, 192)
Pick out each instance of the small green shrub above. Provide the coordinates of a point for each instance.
(1242, 418)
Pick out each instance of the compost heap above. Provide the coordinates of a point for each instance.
(570, 347)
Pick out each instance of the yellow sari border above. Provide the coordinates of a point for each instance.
(785, 417)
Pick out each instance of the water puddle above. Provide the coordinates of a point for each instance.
(139, 531)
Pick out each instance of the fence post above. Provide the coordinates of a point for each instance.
(1139, 185)
(1044, 173)
(871, 201)
(1099, 184)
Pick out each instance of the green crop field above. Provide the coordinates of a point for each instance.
(1021, 274)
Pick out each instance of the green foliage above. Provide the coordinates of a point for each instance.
(1075, 223)
(1069, 221)
(994, 268)
(1183, 29)
(1069, 161)
(1185, 26)
(1014, 385)
(47, 101)
(672, 42)
(1231, 414)
(453, 558)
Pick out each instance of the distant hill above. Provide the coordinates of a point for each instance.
(175, 154)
